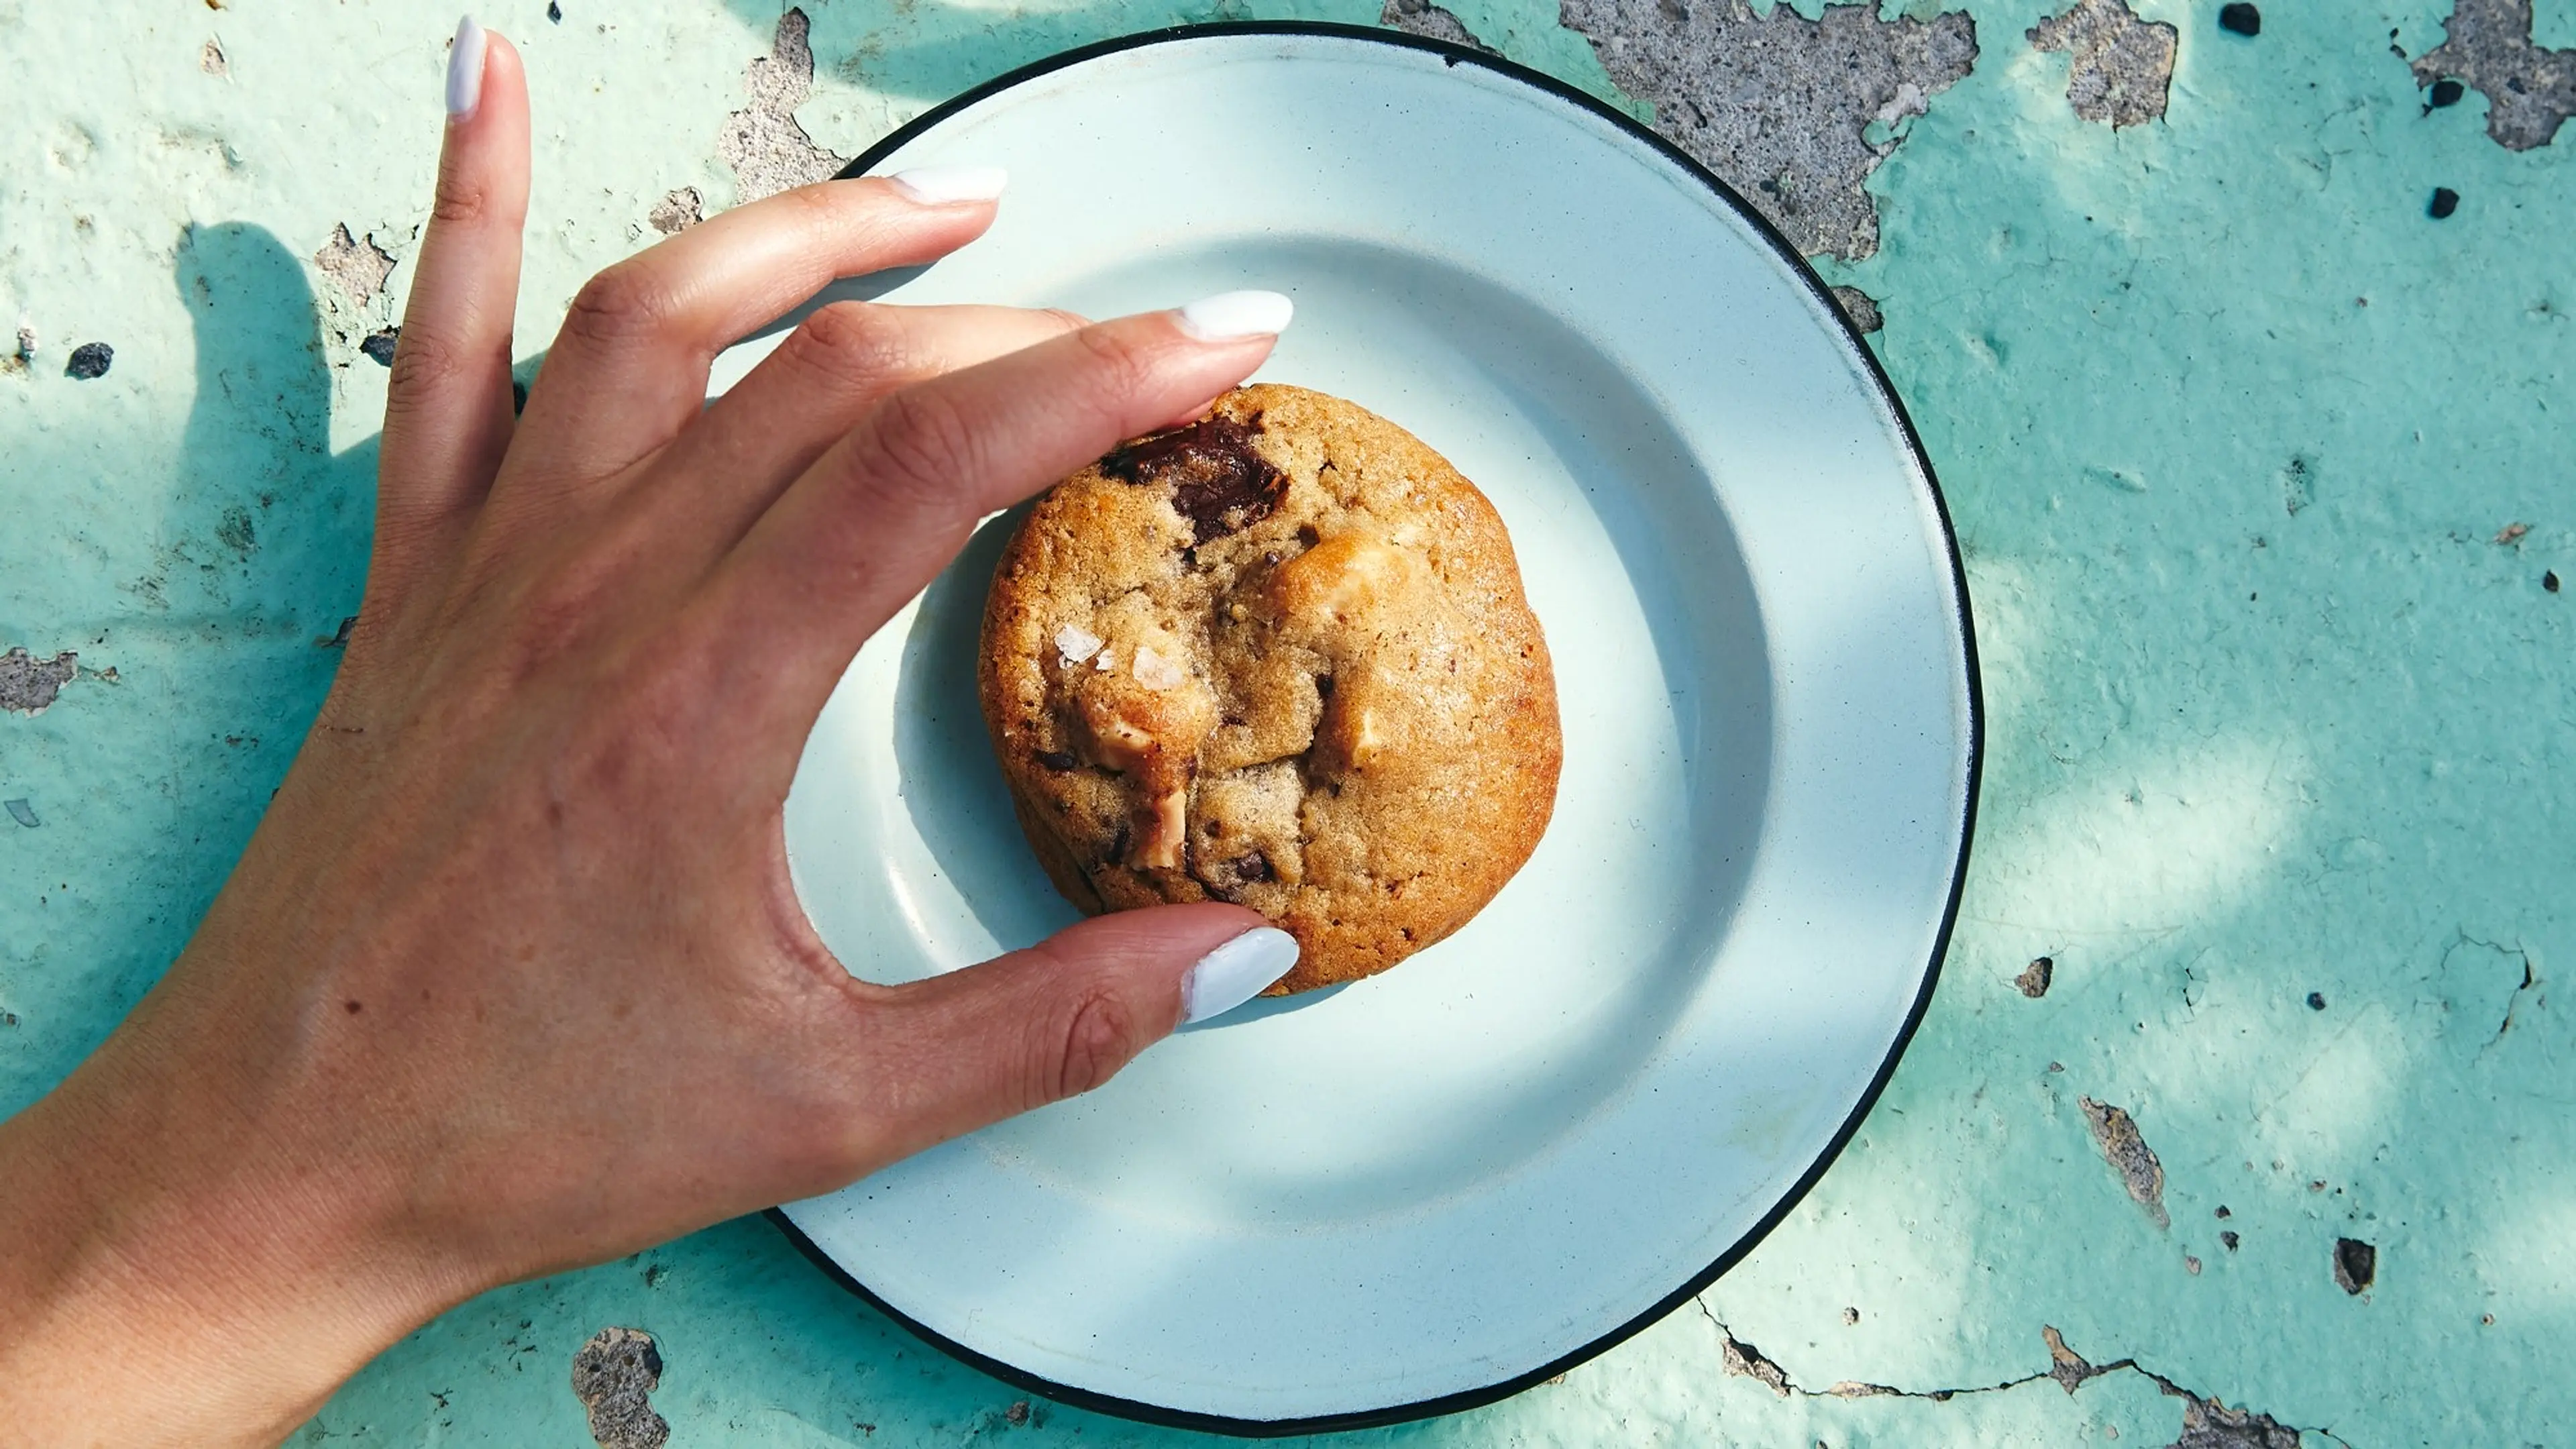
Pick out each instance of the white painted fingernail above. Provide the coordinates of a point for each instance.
(1235, 972)
(465, 70)
(941, 185)
(1232, 316)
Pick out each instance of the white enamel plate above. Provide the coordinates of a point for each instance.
(1433, 1188)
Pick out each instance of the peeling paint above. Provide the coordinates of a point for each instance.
(2034, 979)
(2487, 44)
(764, 143)
(2356, 1265)
(2123, 66)
(611, 1375)
(1860, 307)
(2129, 1155)
(1421, 17)
(28, 685)
(1794, 113)
(358, 267)
(677, 211)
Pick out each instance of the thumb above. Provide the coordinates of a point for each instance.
(1060, 1018)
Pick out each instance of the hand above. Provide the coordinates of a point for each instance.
(511, 977)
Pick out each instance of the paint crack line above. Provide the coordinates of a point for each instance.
(2208, 1423)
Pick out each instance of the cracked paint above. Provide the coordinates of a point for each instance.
(2207, 1422)
(1793, 113)
(2122, 65)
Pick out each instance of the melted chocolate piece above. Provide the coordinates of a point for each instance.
(1058, 761)
(1225, 879)
(1218, 482)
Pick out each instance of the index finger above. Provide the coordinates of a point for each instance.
(629, 368)
(887, 507)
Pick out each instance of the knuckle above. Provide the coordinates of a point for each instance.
(856, 344)
(461, 201)
(1098, 1035)
(425, 364)
(618, 305)
(1119, 367)
(920, 449)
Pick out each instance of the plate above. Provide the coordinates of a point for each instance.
(1426, 1190)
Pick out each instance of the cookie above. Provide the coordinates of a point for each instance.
(1279, 656)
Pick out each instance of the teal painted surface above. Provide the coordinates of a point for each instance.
(2228, 425)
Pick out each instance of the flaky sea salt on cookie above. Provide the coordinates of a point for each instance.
(1279, 657)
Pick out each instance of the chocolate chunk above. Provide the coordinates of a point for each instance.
(1218, 482)
(1255, 866)
(1058, 761)
(1225, 879)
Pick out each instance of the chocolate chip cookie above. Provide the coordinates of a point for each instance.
(1279, 656)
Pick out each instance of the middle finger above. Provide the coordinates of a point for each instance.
(726, 468)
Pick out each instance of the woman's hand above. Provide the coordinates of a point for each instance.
(512, 977)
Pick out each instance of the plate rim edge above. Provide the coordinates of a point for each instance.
(1461, 1400)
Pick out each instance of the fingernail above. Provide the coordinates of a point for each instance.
(940, 185)
(465, 70)
(1235, 972)
(1231, 316)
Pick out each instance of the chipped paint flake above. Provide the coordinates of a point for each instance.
(2123, 66)
(357, 266)
(1421, 17)
(677, 211)
(611, 1375)
(1794, 113)
(28, 685)
(2128, 1153)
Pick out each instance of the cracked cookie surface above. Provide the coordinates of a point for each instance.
(1280, 657)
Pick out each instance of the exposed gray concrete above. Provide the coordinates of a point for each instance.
(2123, 66)
(2486, 44)
(1792, 112)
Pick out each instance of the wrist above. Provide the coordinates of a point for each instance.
(180, 1269)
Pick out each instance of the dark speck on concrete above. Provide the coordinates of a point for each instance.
(379, 345)
(2316, 1001)
(611, 1375)
(2448, 92)
(2035, 977)
(22, 812)
(554, 12)
(1017, 1414)
(2549, 581)
(2356, 1263)
(2240, 19)
(2445, 201)
(2227, 1237)
(90, 360)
